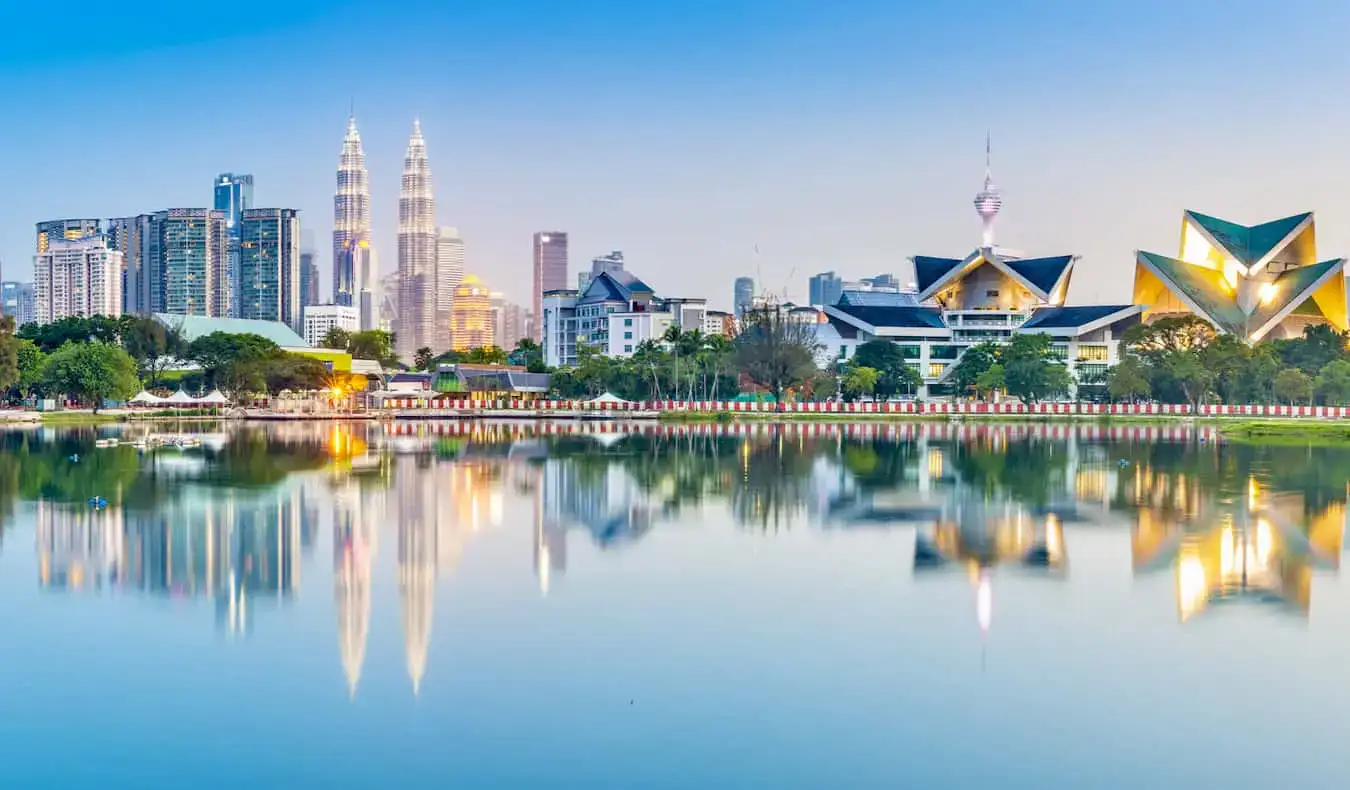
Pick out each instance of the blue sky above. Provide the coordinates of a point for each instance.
(842, 136)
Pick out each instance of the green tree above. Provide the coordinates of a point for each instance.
(337, 338)
(1190, 374)
(529, 354)
(1319, 345)
(990, 381)
(1333, 383)
(894, 377)
(150, 343)
(373, 344)
(1128, 380)
(975, 361)
(485, 355)
(10, 372)
(1175, 333)
(32, 367)
(775, 351)
(859, 382)
(1293, 386)
(422, 358)
(295, 372)
(91, 373)
(1030, 372)
(229, 359)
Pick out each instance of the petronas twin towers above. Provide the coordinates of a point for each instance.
(422, 318)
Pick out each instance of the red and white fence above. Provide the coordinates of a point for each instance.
(431, 404)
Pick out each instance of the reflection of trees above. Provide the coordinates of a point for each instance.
(775, 481)
(1031, 472)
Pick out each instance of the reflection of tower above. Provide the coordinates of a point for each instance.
(416, 570)
(988, 200)
(550, 535)
(353, 552)
(79, 548)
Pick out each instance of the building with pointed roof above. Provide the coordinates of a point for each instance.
(988, 295)
(352, 270)
(418, 248)
(614, 314)
(1254, 282)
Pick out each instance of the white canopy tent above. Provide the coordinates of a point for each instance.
(608, 397)
(146, 398)
(180, 398)
(214, 398)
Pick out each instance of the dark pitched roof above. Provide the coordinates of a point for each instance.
(604, 287)
(928, 270)
(1041, 272)
(912, 317)
(1070, 317)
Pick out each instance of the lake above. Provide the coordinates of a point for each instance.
(595, 605)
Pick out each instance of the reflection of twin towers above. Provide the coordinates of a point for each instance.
(436, 510)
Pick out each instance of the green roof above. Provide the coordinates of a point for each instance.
(1248, 244)
(1204, 288)
(195, 326)
(1295, 285)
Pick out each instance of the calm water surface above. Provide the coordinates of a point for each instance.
(478, 605)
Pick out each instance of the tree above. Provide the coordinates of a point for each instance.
(1293, 386)
(529, 354)
(1174, 333)
(10, 372)
(1128, 380)
(294, 372)
(859, 382)
(92, 373)
(1333, 383)
(990, 381)
(223, 356)
(150, 343)
(373, 344)
(774, 351)
(337, 338)
(1320, 345)
(422, 358)
(897, 381)
(976, 360)
(1030, 372)
(888, 359)
(32, 367)
(1187, 371)
(485, 355)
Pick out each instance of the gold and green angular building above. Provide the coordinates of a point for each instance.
(1256, 282)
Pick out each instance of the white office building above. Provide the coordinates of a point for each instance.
(319, 318)
(77, 277)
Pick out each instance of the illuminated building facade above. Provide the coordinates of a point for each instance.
(989, 295)
(351, 222)
(550, 269)
(1253, 282)
(68, 229)
(78, 277)
(418, 242)
(471, 323)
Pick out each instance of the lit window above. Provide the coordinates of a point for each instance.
(935, 370)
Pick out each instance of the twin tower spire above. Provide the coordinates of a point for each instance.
(417, 321)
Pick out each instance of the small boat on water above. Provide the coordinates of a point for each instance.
(107, 442)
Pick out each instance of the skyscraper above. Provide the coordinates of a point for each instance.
(19, 301)
(186, 266)
(269, 266)
(54, 229)
(471, 323)
(449, 274)
(78, 277)
(352, 264)
(233, 196)
(417, 250)
(131, 237)
(611, 264)
(825, 290)
(309, 270)
(743, 295)
(550, 269)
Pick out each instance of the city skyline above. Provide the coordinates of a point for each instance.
(418, 247)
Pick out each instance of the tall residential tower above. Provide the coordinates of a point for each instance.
(417, 251)
(352, 264)
(449, 274)
(269, 266)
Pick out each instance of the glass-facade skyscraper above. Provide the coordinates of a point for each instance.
(352, 266)
(233, 196)
(269, 266)
(68, 229)
(418, 242)
(186, 263)
(18, 300)
(743, 295)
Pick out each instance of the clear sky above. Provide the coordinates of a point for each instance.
(841, 135)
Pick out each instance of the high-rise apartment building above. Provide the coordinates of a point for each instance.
(233, 196)
(18, 301)
(825, 289)
(550, 268)
(743, 295)
(417, 251)
(54, 229)
(186, 264)
(471, 323)
(510, 322)
(309, 270)
(320, 318)
(449, 274)
(131, 237)
(269, 266)
(353, 259)
(77, 277)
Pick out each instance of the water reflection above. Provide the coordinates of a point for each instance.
(230, 520)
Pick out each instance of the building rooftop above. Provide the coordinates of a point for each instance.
(905, 317)
(1073, 317)
(192, 327)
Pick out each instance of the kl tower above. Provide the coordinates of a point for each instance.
(988, 201)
